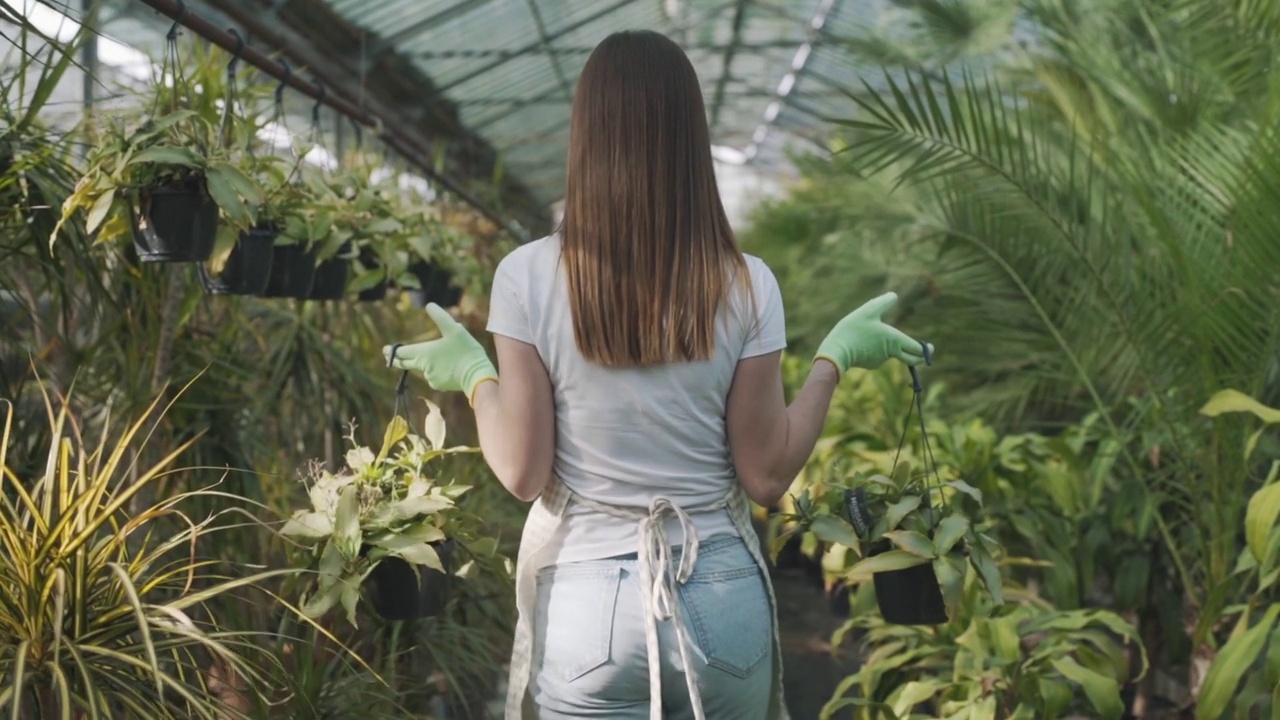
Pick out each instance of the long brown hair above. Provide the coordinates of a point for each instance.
(646, 244)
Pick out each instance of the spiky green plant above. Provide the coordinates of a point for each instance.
(103, 612)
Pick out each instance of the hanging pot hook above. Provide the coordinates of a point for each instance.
(237, 53)
(315, 110)
(288, 75)
(172, 35)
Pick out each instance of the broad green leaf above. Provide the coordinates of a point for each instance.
(421, 554)
(226, 198)
(331, 565)
(166, 155)
(397, 430)
(950, 572)
(901, 509)
(434, 427)
(950, 530)
(322, 600)
(349, 598)
(99, 211)
(1234, 401)
(307, 527)
(1103, 692)
(1230, 666)
(988, 572)
(915, 692)
(832, 529)
(913, 542)
(410, 508)
(884, 562)
(346, 522)
(485, 546)
(966, 488)
(1260, 518)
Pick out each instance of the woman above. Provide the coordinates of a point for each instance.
(641, 404)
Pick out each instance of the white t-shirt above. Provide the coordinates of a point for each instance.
(627, 435)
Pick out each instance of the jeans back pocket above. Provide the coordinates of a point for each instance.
(573, 626)
(731, 618)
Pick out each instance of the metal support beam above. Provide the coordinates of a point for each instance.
(546, 44)
(739, 18)
(328, 88)
(606, 10)
(415, 29)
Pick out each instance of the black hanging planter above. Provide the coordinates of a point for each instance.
(293, 271)
(911, 596)
(248, 267)
(175, 223)
(331, 276)
(376, 293)
(400, 591)
(437, 286)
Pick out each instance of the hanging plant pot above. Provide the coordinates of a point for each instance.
(376, 293)
(331, 276)
(175, 223)
(248, 267)
(911, 596)
(437, 286)
(293, 270)
(398, 590)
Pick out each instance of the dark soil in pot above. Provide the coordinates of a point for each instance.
(400, 591)
(175, 223)
(293, 271)
(248, 267)
(437, 286)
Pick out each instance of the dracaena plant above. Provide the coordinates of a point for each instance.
(886, 523)
(1027, 661)
(106, 610)
(381, 505)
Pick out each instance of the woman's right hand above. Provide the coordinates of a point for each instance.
(863, 340)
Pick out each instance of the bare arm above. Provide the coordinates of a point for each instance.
(515, 418)
(769, 441)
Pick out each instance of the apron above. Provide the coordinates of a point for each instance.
(655, 579)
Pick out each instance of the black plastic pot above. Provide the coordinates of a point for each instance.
(911, 596)
(331, 277)
(248, 266)
(398, 590)
(437, 286)
(175, 223)
(293, 271)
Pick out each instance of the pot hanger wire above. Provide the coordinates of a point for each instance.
(930, 463)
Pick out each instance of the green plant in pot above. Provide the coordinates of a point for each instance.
(167, 181)
(384, 525)
(911, 534)
(301, 221)
(241, 261)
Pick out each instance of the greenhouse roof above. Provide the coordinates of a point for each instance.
(489, 82)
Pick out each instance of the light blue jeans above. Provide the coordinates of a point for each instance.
(589, 658)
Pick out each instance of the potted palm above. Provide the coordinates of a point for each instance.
(381, 526)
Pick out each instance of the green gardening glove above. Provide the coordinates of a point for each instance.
(863, 340)
(454, 362)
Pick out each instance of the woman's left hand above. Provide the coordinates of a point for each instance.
(454, 362)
